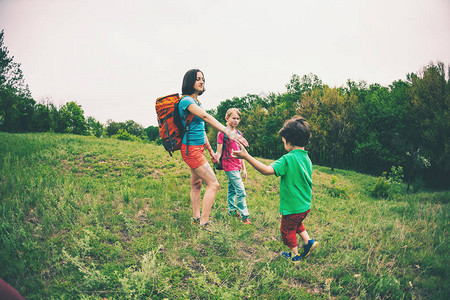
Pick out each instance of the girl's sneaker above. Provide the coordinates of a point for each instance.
(309, 248)
(196, 221)
(247, 221)
(234, 213)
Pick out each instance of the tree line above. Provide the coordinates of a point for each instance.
(19, 112)
(369, 128)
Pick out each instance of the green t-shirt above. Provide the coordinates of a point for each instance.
(295, 169)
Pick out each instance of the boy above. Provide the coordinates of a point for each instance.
(295, 170)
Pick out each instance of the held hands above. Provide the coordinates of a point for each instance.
(214, 157)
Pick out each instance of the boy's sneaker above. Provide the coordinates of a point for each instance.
(297, 258)
(234, 213)
(247, 221)
(196, 221)
(208, 227)
(309, 248)
(288, 256)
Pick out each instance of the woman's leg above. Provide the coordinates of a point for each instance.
(206, 174)
(196, 185)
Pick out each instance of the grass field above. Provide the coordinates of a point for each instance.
(88, 218)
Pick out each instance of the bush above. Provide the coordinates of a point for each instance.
(395, 179)
(337, 190)
(388, 185)
(125, 136)
(381, 188)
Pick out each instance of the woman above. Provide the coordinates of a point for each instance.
(194, 143)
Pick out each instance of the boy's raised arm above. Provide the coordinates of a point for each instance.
(262, 168)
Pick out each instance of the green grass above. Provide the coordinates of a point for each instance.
(88, 218)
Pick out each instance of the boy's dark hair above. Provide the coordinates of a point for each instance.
(296, 131)
(189, 80)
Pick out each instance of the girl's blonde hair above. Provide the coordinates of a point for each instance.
(232, 110)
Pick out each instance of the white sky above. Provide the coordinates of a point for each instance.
(114, 58)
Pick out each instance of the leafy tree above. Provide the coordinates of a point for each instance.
(130, 126)
(260, 126)
(330, 116)
(71, 119)
(15, 111)
(16, 104)
(10, 73)
(298, 86)
(242, 103)
(430, 116)
(152, 133)
(41, 118)
(253, 129)
(45, 116)
(378, 126)
(134, 128)
(5, 61)
(368, 128)
(94, 127)
(296, 89)
(113, 127)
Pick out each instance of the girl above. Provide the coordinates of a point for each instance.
(194, 144)
(232, 167)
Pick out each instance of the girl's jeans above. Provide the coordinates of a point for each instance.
(236, 189)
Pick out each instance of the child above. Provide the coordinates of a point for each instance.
(232, 167)
(295, 169)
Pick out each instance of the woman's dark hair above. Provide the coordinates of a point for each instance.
(189, 80)
(296, 131)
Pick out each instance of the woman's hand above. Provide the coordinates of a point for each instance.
(244, 174)
(234, 136)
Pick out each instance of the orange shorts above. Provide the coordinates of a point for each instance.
(196, 157)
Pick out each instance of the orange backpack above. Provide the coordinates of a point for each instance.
(171, 127)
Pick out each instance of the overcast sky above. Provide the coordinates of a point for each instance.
(114, 58)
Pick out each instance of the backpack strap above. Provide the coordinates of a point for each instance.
(187, 123)
(189, 119)
(224, 147)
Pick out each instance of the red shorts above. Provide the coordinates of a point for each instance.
(196, 157)
(290, 226)
(8, 292)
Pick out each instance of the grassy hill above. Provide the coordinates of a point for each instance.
(88, 218)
